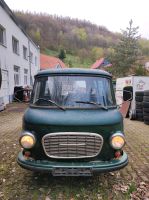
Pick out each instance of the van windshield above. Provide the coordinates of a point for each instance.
(73, 91)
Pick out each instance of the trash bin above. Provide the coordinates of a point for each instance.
(18, 93)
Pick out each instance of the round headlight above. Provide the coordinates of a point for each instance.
(117, 141)
(27, 141)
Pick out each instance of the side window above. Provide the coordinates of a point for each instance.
(46, 92)
(25, 76)
(37, 91)
(16, 75)
(109, 94)
(2, 35)
(15, 45)
(24, 52)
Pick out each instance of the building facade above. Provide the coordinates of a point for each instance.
(19, 56)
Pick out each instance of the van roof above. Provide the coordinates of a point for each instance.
(74, 71)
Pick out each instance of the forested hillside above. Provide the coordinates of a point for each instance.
(79, 38)
(82, 41)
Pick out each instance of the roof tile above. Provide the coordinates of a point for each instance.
(47, 62)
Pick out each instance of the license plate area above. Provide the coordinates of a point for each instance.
(72, 172)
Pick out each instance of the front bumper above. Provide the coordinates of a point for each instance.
(94, 166)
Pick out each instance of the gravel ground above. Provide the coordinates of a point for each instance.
(132, 182)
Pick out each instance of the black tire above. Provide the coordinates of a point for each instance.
(139, 105)
(139, 115)
(145, 104)
(139, 98)
(146, 122)
(146, 98)
(139, 93)
(140, 119)
(146, 110)
(139, 110)
(146, 93)
(146, 114)
(146, 118)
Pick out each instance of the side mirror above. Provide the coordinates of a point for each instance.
(127, 95)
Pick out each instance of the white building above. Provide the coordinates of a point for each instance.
(19, 56)
(147, 66)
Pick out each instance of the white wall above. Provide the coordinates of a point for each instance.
(8, 59)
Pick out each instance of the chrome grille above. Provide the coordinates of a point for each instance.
(72, 145)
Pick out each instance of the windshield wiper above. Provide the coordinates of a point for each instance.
(93, 103)
(48, 100)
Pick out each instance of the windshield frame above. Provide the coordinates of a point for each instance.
(77, 75)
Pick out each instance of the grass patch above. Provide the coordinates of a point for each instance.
(50, 52)
(131, 189)
(72, 61)
(36, 195)
(3, 168)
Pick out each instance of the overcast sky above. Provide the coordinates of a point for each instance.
(113, 14)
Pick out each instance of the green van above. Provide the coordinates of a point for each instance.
(72, 126)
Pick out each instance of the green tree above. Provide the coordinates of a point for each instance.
(37, 36)
(140, 71)
(126, 51)
(81, 33)
(62, 54)
(97, 53)
(144, 44)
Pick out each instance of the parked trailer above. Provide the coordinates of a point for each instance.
(126, 89)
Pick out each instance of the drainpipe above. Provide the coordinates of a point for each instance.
(29, 62)
(0, 77)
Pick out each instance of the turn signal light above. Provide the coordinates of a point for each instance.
(117, 154)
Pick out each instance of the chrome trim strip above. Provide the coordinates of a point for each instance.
(72, 144)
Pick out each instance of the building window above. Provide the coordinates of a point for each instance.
(25, 76)
(16, 75)
(31, 57)
(15, 45)
(24, 52)
(35, 60)
(2, 35)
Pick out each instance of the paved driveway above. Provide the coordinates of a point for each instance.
(19, 184)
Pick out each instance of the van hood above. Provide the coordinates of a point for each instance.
(71, 118)
(43, 121)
